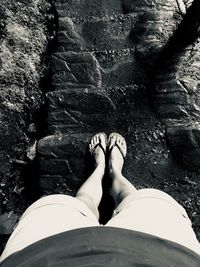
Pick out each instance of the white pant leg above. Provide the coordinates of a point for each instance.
(154, 212)
(46, 217)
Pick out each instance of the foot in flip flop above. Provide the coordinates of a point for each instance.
(117, 149)
(97, 148)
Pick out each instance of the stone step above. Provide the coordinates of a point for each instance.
(81, 100)
(62, 172)
(77, 128)
(172, 111)
(152, 31)
(169, 86)
(175, 97)
(54, 166)
(172, 105)
(184, 137)
(184, 142)
(143, 5)
(80, 110)
(74, 69)
(118, 67)
(172, 85)
(64, 122)
(179, 98)
(115, 32)
(84, 69)
(110, 7)
(57, 184)
(62, 161)
(85, 124)
(95, 34)
(130, 104)
(88, 7)
(66, 146)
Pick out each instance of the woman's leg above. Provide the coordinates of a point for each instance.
(149, 211)
(91, 191)
(55, 214)
(121, 187)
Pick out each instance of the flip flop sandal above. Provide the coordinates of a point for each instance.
(115, 144)
(99, 144)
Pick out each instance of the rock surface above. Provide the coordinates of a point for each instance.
(75, 69)
(80, 110)
(62, 161)
(185, 144)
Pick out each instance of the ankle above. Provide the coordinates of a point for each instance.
(100, 161)
(115, 173)
(101, 166)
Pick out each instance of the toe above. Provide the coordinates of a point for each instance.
(90, 146)
(98, 138)
(103, 140)
(93, 142)
(119, 138)
(120, 141)
(112, 140)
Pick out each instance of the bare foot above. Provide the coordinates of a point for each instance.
(118, 148)
(97, 147)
